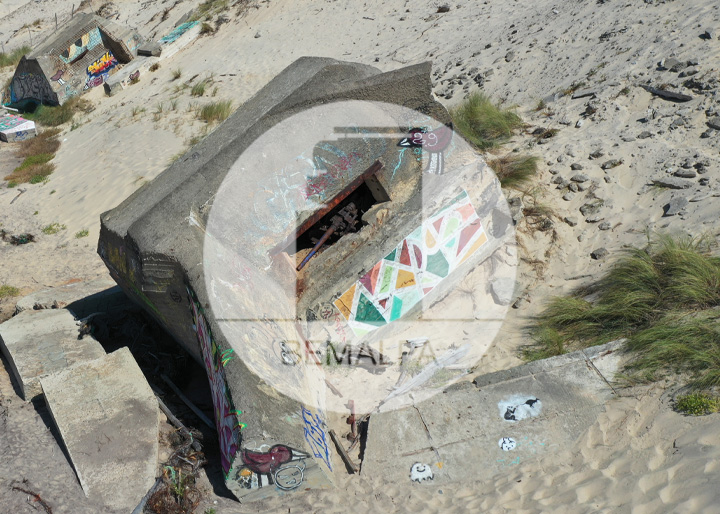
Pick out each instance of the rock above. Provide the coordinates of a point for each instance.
(704, 181)
(708, 133)
(509, 56)
(670, 62)
(568, 196)
(516, 209)
(583, 186)
(689, 72)
(579, 123)
(708, 34)
(502, 290)
(553, 171)
(666, 94)
(685, 173)
(672, 183)
(580, 177)
(612, 163)
(558, 180)
(443, 8)
(594, 218)
(677, 122)
(675, 206)
(582, 93)
(596, 154)
(581, 236)
(714, 122)
(598, 254)
(571, 220)
(644, 134)
(152, 49)
(572, 186)
(560, 158)
(257, 35)
(576, 166)
(591, 207)
(604, 226)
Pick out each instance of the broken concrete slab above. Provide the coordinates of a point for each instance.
(483, 428)
(14, 129)
(152, 49)
(108, 418)
(80, 298)
(38, 343)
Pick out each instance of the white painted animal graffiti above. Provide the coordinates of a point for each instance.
(420, 472)
(519, 407)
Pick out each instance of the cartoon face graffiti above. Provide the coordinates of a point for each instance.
(518, 407)
(290, 477)
(507, 443)
(420, 472)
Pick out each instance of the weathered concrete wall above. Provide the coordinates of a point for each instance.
(484, 428)
(14, 128)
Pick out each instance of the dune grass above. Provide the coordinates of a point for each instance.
(215, 112)
(7, 291)
(665, 299)
(37, 153)
(483, 123)
(514, 170)
(12, 58)
(198, 89)
(697, 404)
(54, 116)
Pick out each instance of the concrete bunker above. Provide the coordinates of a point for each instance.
(221, 280)
(79, 57)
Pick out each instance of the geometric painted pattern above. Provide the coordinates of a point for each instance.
(414, 268)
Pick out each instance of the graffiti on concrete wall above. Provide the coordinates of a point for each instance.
(28, 85)
(278, 465)
(434, 142)
(178, 31)
(86, 42)
(519, 407)
(415, 267)
(226, 415)
(10, 121)
(316, 437)
(98, 71)
(420, 472)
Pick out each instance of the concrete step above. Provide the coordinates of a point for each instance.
(37, 343)
(108, 418)
(80, 298)
(484, 428)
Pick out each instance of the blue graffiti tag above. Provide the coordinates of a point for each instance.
(315, 436)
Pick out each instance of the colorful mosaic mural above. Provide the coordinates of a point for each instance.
(86, 42)
(414, 268)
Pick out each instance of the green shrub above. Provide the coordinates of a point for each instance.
(12, 58)
(697, 404)
(53, 116)
(215, 111)
(82, 233)
(483, 123)
(53, 228)
(7, 291)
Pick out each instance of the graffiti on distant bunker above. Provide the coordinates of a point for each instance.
(507, 443)
(519, 407)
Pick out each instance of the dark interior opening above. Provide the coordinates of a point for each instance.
(343, 214)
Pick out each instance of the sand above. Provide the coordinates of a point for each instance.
(639, 456)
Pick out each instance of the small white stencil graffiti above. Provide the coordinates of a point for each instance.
(420, 472)
(519, 407)
(507, 443)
